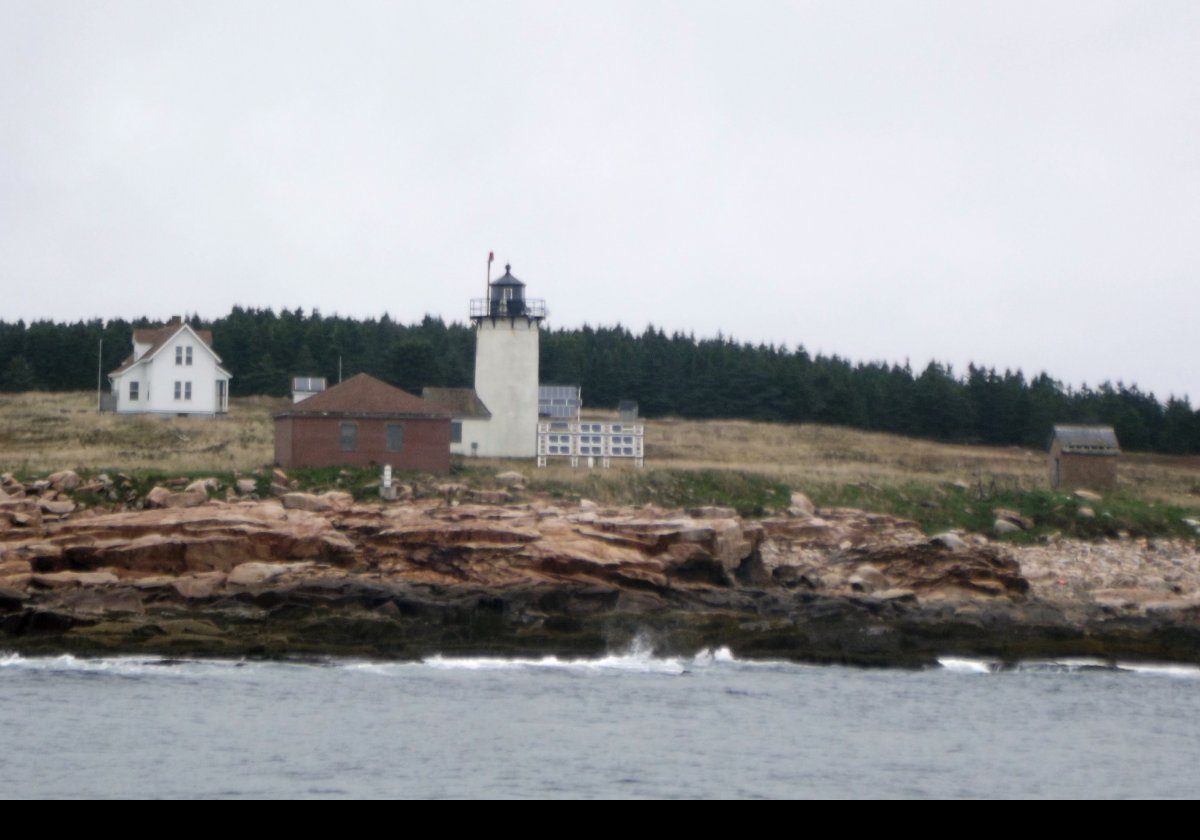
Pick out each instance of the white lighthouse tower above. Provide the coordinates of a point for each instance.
(507, 329)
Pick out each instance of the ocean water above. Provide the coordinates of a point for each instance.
(628, 725)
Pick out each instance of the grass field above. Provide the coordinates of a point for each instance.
(40, 432)
(751, 466)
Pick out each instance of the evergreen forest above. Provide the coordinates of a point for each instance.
(674, 374)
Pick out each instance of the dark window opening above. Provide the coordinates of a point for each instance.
(395, 437)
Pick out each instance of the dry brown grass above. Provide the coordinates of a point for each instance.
(41, 432)
(823, 455)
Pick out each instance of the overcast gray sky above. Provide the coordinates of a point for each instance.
(1016, 184)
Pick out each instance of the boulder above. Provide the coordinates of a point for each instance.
(306, 501)
(490, 497)
(187, 499)
(1085, 512)
(246, 486)
(1088, 495)
(867, 578)
(64, 480)
(339, 499)
(56, 579)
(1013, 516)
(161, 497)
(157, 497)
(203, 485)
(801, 506)
(950, 540)
(199, 586)
(249, 574)
(1002, 527)
(711, 512)
(510, 477)
(56, 508)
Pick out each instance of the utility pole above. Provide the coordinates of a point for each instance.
(100, 377)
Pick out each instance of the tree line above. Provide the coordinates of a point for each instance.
(674, 374)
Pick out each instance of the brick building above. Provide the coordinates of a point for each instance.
(364, 421)
(1084, 456)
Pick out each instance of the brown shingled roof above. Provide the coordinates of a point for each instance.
(457, 402)
(365, 395)
(156, 337)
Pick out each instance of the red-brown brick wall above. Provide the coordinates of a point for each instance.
(317, 442)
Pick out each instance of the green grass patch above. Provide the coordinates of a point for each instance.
(943, 507)
(749, 494)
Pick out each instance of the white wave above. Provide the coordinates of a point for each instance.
(1070, 665)
(385, 669)
(624, 663)
(960, 665)
(723, 657)
(1163, 670)
(116, 665)
(713, 656)
(963, 665)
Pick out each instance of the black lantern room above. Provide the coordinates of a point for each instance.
(506, 296)
(506, 299)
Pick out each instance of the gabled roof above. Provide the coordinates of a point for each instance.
(457, 402)
(160, 337)
(364, 396)
(156, 337)
(1087, 440)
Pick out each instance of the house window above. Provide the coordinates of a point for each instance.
(456, 431)
(187, 355)
(395, 437)
(133, 391)
(349, 434)
(178, 355)
(187, 390)
(178, 389)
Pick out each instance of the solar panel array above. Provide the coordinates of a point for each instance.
(559, 401)
(591, 440)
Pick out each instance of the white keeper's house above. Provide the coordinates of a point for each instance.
(172, 370)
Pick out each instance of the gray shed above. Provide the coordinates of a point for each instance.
(1084, 456)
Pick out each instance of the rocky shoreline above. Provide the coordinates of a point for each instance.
(302, 575)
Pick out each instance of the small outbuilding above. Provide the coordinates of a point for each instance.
(360, 422)
(304, 387)
(1084, 456)
(468, 416)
